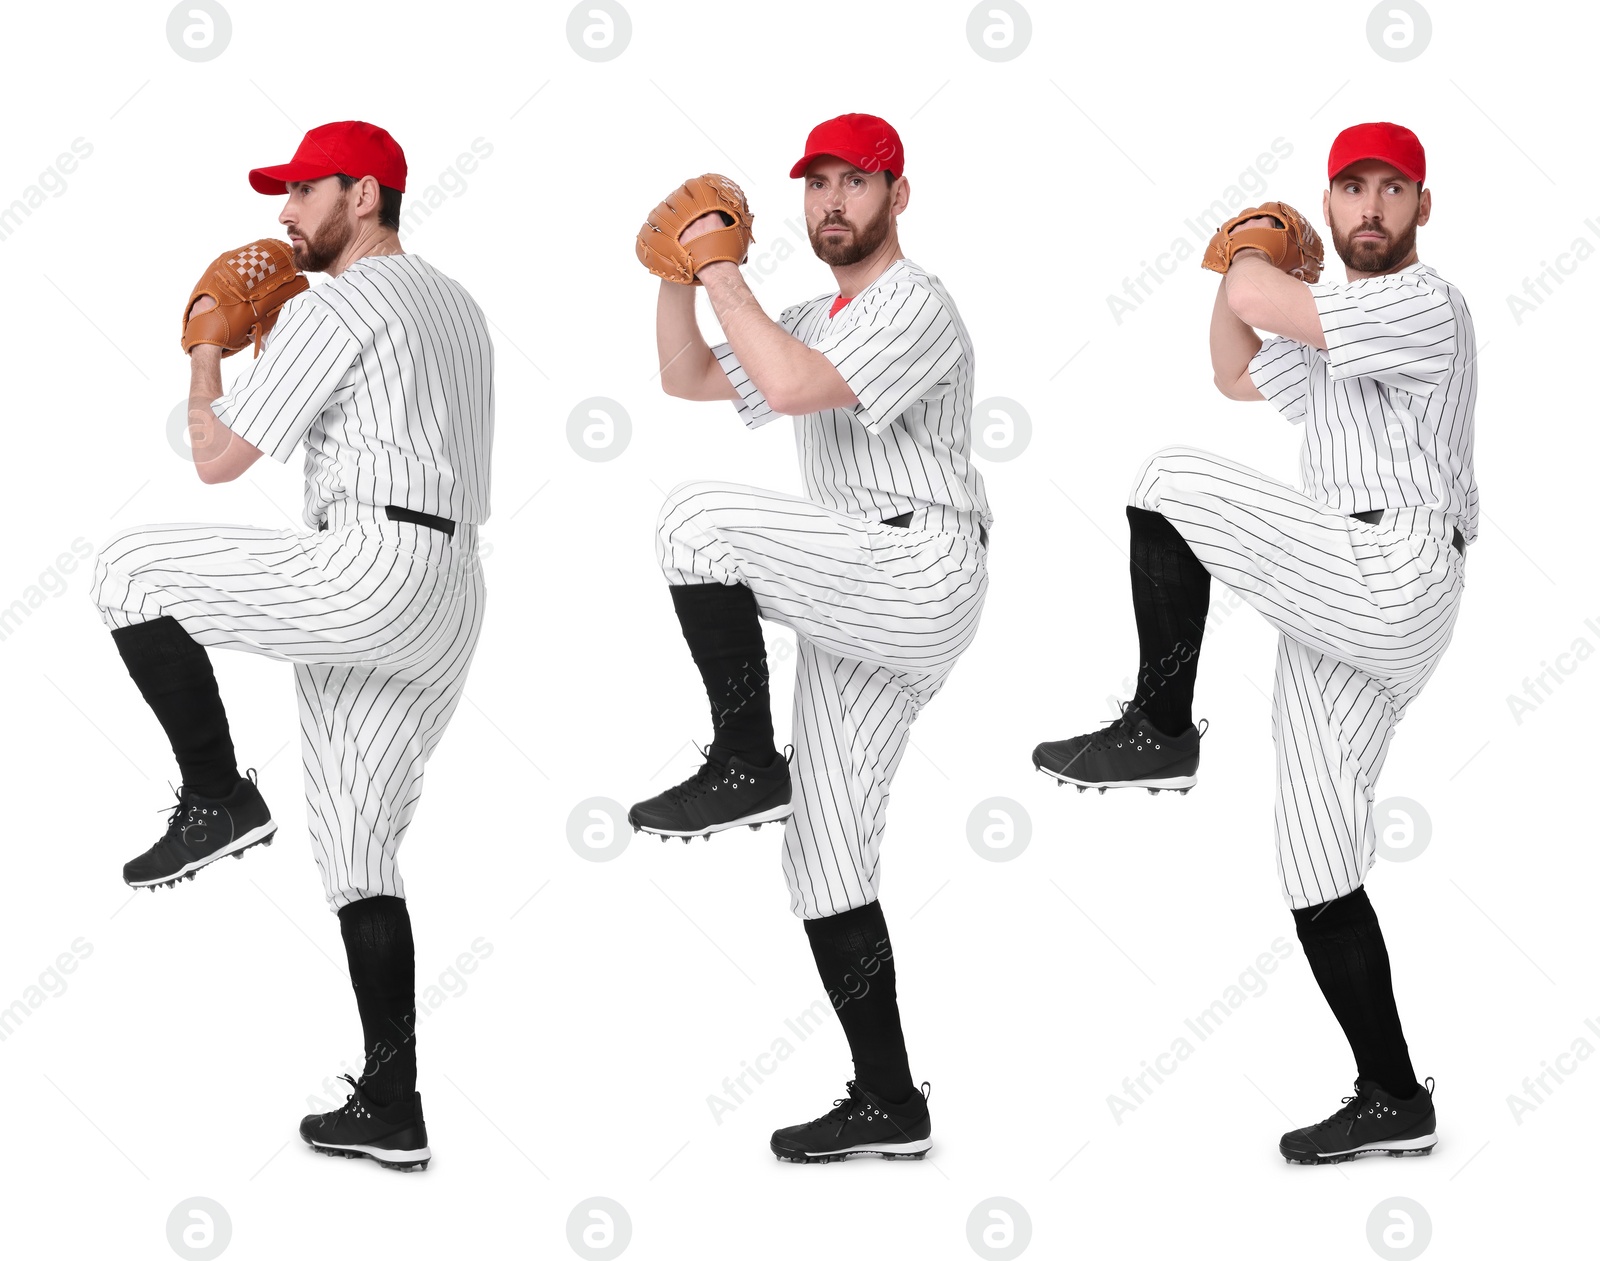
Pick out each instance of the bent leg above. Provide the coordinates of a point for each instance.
(174, 675)
(1379, 599)
(1171, 599)
(363, 593)
(906, 599)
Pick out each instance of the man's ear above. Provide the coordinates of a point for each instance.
(369, 196)
(1327, 207)
(901, 195)
(1424, 206)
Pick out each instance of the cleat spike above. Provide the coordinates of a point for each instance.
(1102, 790)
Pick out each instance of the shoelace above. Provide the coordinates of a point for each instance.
(843, 1109)
(696, 785)
(357, 1100)
(1118, 726)
(174, 812)
(1353, 1104)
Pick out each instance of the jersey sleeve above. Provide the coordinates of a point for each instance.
(1397, 330)
(303, 362)
(903, 346)
(752, 404)
(1281, 370)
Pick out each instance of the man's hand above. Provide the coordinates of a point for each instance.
(239, 297)
(1260, 221)
(204, 303)
(1275, 229)
(708, 222)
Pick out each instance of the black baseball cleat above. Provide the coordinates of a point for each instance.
(393, 1134)
(1126, 753)
(718, 797)
(201, 830)
(861, 1124)
(1371, 1122)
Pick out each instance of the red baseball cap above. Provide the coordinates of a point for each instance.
(863, 140)
(354, 149)
(1390, 142)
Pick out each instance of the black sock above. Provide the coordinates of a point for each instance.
(174, 675)
(1171, 596)
(383, 972)
(856, 966)
(1345, 949)
(723, 630)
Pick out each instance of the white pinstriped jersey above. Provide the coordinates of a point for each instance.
(907, 444)
(1388, 407)
(386, 372)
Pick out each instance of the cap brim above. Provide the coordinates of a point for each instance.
(1381, 157)
(799, 168)
(273, 179)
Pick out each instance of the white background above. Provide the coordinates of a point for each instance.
(578, 1059)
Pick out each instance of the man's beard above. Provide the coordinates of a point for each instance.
(861, 242)
(317, 253)
(1374, 256)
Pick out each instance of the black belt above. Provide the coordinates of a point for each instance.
(1372, 518)
(904, 520)
(396, 513)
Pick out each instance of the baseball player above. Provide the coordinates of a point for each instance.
(384, 374)
(880, 569)
(1361, 571)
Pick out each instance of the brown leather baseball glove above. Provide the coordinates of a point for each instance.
(1293, 245)
(659, 248)
(249, 286)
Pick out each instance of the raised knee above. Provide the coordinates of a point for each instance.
(680, 504)
(118, 545)
(1155, 474)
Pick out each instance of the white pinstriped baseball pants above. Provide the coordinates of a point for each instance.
(1365, 612)
(881, 613)
(380, 619)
